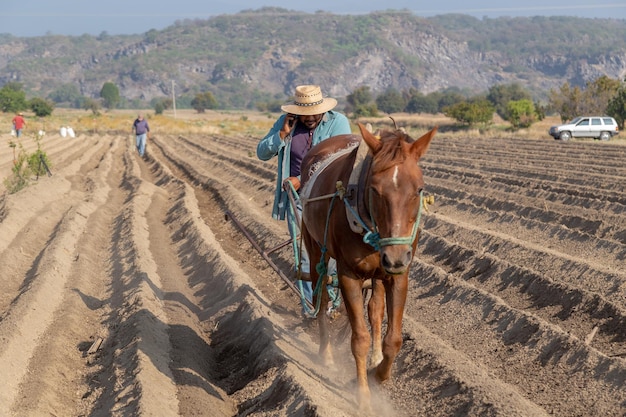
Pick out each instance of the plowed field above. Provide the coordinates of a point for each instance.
(125, 291)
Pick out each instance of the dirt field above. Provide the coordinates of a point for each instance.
(517, 303)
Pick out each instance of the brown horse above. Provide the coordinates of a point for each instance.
(386, 202)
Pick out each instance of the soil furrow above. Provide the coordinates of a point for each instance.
(519, 348)
(516, 304)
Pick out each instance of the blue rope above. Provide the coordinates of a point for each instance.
(373, 238)
(321, 267)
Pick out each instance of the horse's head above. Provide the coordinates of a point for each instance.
(394, 194)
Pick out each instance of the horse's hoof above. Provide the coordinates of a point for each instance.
(382, 375)
(376, 359)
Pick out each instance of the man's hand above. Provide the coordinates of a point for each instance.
(288, 124)
(294, 181)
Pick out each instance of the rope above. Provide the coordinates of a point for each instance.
(321, 267)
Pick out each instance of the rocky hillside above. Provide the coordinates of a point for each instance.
(263, 54)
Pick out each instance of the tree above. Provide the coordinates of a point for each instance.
(110, 95)
(420, 103)
(592, 100)
(162, 104)
(391, 101)
(12, 98)
(448, 97)
(203, 101)
(598, 93)
(500, 96)
(521, 113)
(474, 111)
(93, 105)
(566, 101)
(361, 102)
(617, 105)
(41, 107)
(360, 96)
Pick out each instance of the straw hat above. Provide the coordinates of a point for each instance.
(309, 101)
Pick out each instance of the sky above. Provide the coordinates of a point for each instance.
(24, 18)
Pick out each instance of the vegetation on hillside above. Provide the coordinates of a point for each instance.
(538, 35)
(207, 60)
(211, 55)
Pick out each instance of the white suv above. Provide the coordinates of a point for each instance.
(602, 128)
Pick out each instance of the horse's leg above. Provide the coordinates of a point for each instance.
(360, 340)
(325, 350)
(396, 291)
(376, 312)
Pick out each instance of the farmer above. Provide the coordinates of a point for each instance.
(308, 120)
(18, 124)
(142, 130)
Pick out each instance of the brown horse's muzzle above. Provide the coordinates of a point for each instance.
(395, 259)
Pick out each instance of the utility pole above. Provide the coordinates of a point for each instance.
(173, 99)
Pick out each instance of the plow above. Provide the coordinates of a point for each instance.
(265, 254)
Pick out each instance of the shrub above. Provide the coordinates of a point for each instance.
(26, 165)
(41, 107)
(471, 112)
(521, 113)
(204, 101)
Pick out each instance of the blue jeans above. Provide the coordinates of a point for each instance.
(141, 143)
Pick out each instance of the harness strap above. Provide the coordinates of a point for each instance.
(351, 208)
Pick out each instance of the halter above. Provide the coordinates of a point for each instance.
(372, 237)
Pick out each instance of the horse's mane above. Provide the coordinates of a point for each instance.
(394, 150)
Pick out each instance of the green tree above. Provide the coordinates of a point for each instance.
(617, 105)
(41, 107)
(420, 103)
(391, 101)
(448, 97)
(471, 112)
(162, 104)
(12, 98)
(360, 96)
(521, 113)
(203, 101)
(110, 95)
(500, 95)
(361, 102)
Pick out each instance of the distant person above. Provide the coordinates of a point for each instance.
(142, 131)
(18, 124)
(308, 120)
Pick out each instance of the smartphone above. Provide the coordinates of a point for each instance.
(292, 119)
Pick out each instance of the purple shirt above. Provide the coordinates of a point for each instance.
(301, 140)
(141, 126)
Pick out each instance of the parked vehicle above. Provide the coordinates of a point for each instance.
(597, 127)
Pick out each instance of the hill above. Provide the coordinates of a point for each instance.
(262, 54)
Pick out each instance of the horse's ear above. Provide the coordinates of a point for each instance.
(371, 140)
(420, 146)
